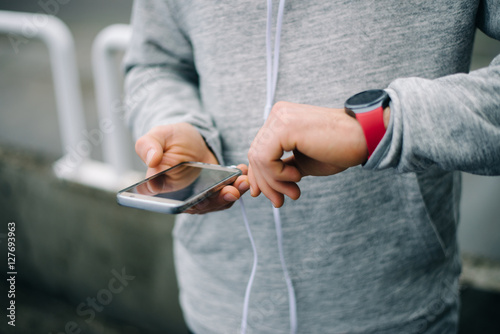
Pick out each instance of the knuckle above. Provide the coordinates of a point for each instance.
(283, 112)
(281, 119)
(252, 154)
(280, 107)
(265, 135)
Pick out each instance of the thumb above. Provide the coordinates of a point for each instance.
(297, 161)
(149, 149)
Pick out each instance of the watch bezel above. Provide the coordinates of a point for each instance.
(372, 103)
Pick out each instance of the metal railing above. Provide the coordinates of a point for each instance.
(108, 42)
(58, 39)
(116, 170)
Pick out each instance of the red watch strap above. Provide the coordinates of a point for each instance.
(372, 123)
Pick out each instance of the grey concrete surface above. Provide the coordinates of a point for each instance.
(479, 230)
(480, 311)
(72, 241)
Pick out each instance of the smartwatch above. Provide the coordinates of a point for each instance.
(368, 108)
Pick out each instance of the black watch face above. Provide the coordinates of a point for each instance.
(367, 100)
(366, 97)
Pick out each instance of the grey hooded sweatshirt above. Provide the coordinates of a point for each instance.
(372, 249)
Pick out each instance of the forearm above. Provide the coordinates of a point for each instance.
(157, 96)
(452, 122)
(161, 81)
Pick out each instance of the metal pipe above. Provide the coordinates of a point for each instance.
(56, 35)
(108, 42)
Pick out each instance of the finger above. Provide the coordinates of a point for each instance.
(293, 162)
(228, 194)
(202, 208)
(243, 168)
(217, 201)
(153, 171)
(258, 183)
(225, 196)
(280, 171)
(242, 184)
(254, 187)
(289, 189)
(277, 198)
(262, 186)
(144, 189)
(149, 149)
(279, 177)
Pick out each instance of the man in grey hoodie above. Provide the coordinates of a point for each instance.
(369, 250)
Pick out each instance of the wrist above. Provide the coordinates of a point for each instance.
(387, 116)
(371, 109)
(210, 156)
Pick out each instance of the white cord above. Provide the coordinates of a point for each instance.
(272, 79)
(254, 269)
(292, 303)
(272, 59)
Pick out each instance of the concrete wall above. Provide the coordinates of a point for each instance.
(72, 240)
(479, 230)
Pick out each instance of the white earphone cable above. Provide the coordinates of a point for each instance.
(292, 303)
(254, 269)
(272, 79)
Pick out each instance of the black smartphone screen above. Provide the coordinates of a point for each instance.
(182, 188)
(181, 182)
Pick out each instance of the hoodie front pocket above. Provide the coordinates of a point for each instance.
(423, 230)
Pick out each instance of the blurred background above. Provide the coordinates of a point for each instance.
(74, 244)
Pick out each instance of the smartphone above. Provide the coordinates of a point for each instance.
(179, 188)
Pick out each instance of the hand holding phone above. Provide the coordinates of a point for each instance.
(190, 187)
(167, 145)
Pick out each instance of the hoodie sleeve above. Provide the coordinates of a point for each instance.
(451, 122)
(161, 82)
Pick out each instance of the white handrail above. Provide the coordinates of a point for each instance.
(56, 35)
(77, 142)
(110, 40)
